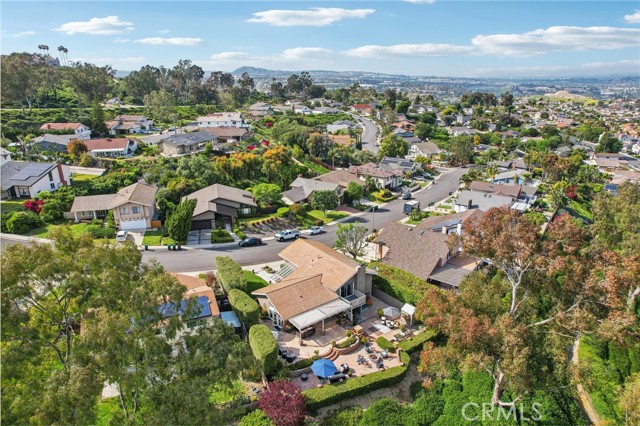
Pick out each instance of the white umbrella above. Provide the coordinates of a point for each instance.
(391, 312)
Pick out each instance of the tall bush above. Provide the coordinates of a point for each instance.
(245, 307)
(230, 274)
(264, 347)
(179, 221)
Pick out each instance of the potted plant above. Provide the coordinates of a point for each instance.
(380, 313)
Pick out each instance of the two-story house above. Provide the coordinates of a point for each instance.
(386, 178)
(24, 179)
(129, 124)
(220, 119)
(134, 206)
(79, 130)
(317, 284)
(220, 202)
(112, 148)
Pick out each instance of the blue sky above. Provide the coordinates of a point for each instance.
(417, 37)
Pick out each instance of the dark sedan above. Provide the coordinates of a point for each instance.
(250, 241)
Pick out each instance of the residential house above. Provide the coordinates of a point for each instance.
(423, 250)
(220, 203)
(510, 176)
(186, 143)
(134, 206)
(364, 109)
(340, 125)
(605, 160)
(25, 179)
(402, 133)
(341, 177)
(5, 156)
(326, 110)
(221, 119)
(468, 200)
(318, 284)
(113, 148)
(401, 164)
(404, 124)
(260, 109)
(424, 149)
(461, 131)
(302, 188)
(79, 130)
(228, 134)
(52, 143)
(129, 124)
(386, 178)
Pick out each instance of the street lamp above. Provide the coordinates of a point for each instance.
(373, 218)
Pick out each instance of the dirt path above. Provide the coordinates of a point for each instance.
(583, 397)
(399, 391)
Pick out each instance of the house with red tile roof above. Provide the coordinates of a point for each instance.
(108, 147)
(364, 109)
(78, 129)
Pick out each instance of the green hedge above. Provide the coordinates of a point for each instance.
(330, 394)
(220, 237)
(416, 342)
(385, 344)
(304, 363)
(264, 347)
(245, 307)
(97, 231)
(230, 274)
(400, 284)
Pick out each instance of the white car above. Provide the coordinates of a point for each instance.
(121, 236)
(314, 230)
(287, 234)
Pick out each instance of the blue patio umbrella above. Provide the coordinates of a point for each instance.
(323, 368)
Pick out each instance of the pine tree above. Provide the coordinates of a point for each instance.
(97, 119)
(179, 221)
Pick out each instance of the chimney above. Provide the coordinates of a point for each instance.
(61, 174)
(470, 203)
(459, 229)
(444, 230)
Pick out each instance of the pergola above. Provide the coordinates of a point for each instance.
(319, 314)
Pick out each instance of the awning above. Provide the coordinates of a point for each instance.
(408, 309)
(320, 313)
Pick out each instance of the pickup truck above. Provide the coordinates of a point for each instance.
(287, 234)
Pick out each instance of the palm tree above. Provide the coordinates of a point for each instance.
(491, 171)
(45, 48)
(41, 48)
(66, 57)
(60, 50)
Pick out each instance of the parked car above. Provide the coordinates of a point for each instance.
(406, 195)
(314, 230)
(250, 241)
(171, 129)
(121, 236)
(287, 234)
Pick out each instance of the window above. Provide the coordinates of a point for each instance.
(24, 191)
(50, 177)
(53, 185)
(124, 210)
(245, 210)
(135, 210)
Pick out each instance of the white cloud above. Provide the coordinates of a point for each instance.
(298, 53)
(421, 1)
(171, 41)
(552, 39)
(409, 50)
(297, 57)
(19, 34)
(226, 56)
(634, 18)
(165, 31)
(314, 17)
(121, 40)
(559, 38)
(97, 26)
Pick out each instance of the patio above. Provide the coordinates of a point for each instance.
(318, 342)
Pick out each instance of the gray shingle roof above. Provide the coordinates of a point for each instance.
(23, 173)
(194, 138)
(215, 192)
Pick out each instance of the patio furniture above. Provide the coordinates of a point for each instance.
(380, 364)
(304, 377)
(358, 330)
(384, 354)
(373, 357)
(337, 378)
(361, 359)
(369, 349)
(323, 367)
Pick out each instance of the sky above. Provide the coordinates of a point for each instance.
(415, 37)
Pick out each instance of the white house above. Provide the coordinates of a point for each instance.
(221, 119)
(116, 147)
(78, 129)
(25, 179)
(129, 124)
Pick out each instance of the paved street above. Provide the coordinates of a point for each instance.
(370, 134)
(203, 259)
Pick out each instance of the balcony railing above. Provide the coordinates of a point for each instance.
(356, 299)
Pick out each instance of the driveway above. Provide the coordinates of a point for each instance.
(201, 236)
(137, 235)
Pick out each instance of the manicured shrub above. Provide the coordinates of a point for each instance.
(415, 343)
(327, 395)
(97, 231)
(245, 307)
(21, 222)
(33, 205)
(256, 418)
(387, 411)
(264, 347)
(283, 403)
(349, 416)
(385, 344)
(220, 236)
(400, 284)
(52, 210)
(230, 274)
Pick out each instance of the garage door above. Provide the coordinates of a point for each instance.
(133, 224)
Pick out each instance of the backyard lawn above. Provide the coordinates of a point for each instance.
(254, 282)
(41, 232)
(9, 206)
(316, 168)
(80, 177)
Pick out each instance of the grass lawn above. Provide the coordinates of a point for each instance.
(154, 238)
(80, 177)
(254, 282)
(9, 206)
(329, 217)
(412, 222)
(220, 395)
(315, 167)
(76, 228)
(581, 210)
